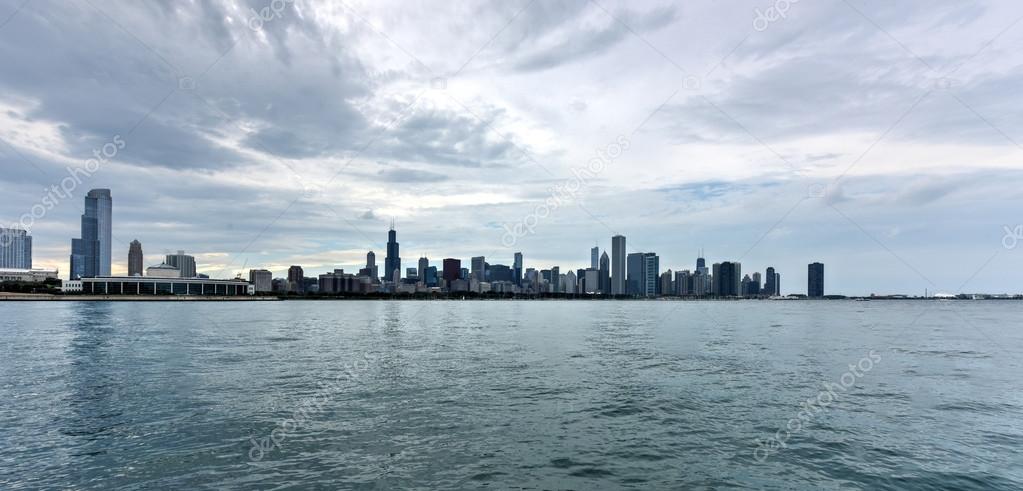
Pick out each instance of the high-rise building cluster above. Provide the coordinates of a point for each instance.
(620, 274)
(635, 274)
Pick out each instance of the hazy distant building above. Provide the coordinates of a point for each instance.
(392, 262)
(452, 270)
(595, 258)
(746, 287)
(682, 283)
(34, 275)
(591, 281)
(296, 279)
(184, 263)
(604, 268)
(517, 266)
(500, 272)
(135, 263)
(618, 266)
(667, 286)
(15, 249)
(556, 279)
(571, 283)
(815, 280)
(163, 270)
(261, 280)
(91, 252)
(430, 277)
(634, 274)
(479, 268)
(423, 264)
(371, 266)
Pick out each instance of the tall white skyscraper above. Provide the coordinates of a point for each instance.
(15, 249)
(594, 258)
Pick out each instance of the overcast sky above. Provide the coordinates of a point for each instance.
(880, 138)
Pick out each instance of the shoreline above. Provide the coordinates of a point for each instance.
(44, 297)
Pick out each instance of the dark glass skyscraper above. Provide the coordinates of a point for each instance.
(517, 266)
(392, 262)
(728, 279)
(772, 283)
(452, 269)
(815, 280)
(604, 270)
(90, 254)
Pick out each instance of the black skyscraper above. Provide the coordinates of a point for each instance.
(392, 262)
(815, 280)
(772, 286)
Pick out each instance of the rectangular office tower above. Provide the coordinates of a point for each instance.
(90, 253)
(15, 249)
(184, 263)
(618, 265)
(815, 280)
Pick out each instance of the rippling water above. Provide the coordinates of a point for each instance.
(525, 395)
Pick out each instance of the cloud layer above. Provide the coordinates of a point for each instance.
(881, 139)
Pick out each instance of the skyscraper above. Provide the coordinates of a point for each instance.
(392, 262)
(571, 283)
(682, 282)
(90, 254)
(604, 284)
(651, 275)
(618, 272)
(634, 274)
(643, 274)
(371, 265)
(296, 279)
(15, 249)
(727, 279)
(135, 265)
(479, 268)
(595, 258)
(771, 283)
(452, 270)
(815, 280)
(517, 266)
(184, 263)
(423, 264)
(556, 279)
(261, 279)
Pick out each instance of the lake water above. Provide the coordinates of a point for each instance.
(511, 394)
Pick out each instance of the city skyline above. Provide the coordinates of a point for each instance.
(903, 178)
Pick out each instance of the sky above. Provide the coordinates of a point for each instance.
(880, 138)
